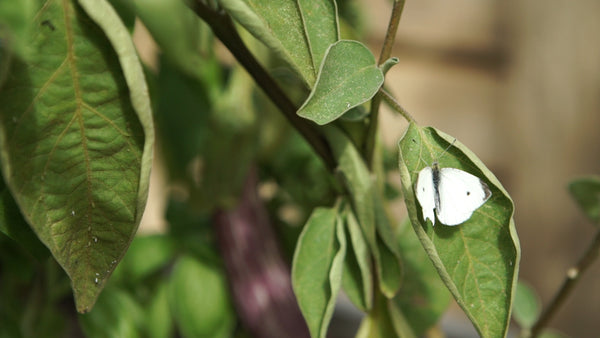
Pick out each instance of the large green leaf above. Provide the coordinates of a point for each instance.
(317, 268)
(362, 190)
(586, 192)
(422, 297)
(348, 77)
(76, 142)
(298, 32)
(477, 260)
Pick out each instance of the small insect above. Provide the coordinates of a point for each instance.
(48, 24)
(453, 193)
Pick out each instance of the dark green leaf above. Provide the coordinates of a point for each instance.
(14, 226)
(182, 118)
(422, 298)
(348, 77)
(526, 307)
(586, 192)
(76, 138)
(125, 12)
(317, 268)
(477, 260)
(199, 299)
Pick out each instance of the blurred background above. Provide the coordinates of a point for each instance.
(518, 82)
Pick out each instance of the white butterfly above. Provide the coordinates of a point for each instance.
(455, 194)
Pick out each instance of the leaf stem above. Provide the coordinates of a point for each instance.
(386, 51)
(223, 28)
(391, 101)
(573, 276)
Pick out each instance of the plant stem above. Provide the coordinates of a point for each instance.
(223, 28)
(391, 101)
(573, 276)
(386, 51)
(390, 35)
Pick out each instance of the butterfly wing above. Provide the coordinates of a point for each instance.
(425, 192)
(460, 194)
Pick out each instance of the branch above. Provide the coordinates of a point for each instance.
(391, 101)
(223, 28)
(386, 51)
(573, 276)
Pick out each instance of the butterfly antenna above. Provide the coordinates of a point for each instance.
(445, 150)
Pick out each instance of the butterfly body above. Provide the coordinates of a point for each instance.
(454, 194)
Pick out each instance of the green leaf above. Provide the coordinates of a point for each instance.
(76, 142)
(15, 29)
(199, 299)
(317, 268)
(145, 256)
(358, 272)
(385, 320)
(166, 19)
(115, 315)
(298, 32)
(125, 13)
(362, 191)
(526, 308)
(348, 77)
(550, 333)
(389, 262)
(232, 130)
(357, 180)
(422, 298)
(319, 18)
(477, 260)
(182, 138)
(158, 320)
(586, 192)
